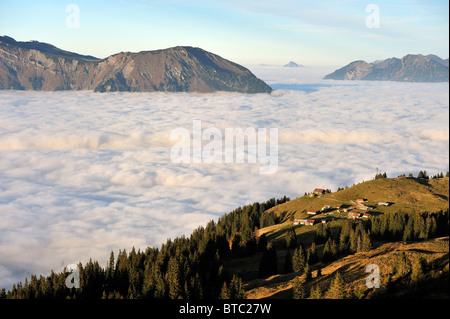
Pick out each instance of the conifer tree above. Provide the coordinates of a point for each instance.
(326, 253)
(334, 248)
(344, 237)
(262, 242)
(312, 257)
(237, 288)
(148, 287)
(196, 290)
(110, 268)
(298, 289)
(419, 226)
(384, 227)
(323, 231)
(160, 286)
(290, 239)
(408, 233)
(402, 265)
(225, 292)
(173, 278)
(330, 251)
(316, 293)
(336, 290)
(353, 245)
(417, 269)
(366, 241)
(430, 227)
(358, 243)
(299, 259)
(308, 274)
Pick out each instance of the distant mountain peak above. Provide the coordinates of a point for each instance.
(410, 68)
(41, 66)
(292, 64)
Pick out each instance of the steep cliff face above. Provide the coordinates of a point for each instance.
(410, 68)
(178, 69)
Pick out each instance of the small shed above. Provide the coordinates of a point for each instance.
(319, 191)
(304, 221)
(354, 215)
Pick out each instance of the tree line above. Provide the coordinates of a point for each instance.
(350, 237)
(193, 267)
(186, 267)
(409, 270)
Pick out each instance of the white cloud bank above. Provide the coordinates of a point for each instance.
(83, 173)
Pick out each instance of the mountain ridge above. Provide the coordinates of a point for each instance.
(44, 47)
(410, 68)
(37, 66)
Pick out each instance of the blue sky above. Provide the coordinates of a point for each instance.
(245, 31)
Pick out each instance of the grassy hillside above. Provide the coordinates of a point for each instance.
(352, 270)
(231, 255)
(403, 193)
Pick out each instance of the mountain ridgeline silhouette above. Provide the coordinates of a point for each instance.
(410, 68)
(40, 66)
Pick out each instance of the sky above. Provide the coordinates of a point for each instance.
(248, 32)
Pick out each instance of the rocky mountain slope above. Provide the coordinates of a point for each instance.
(410, 68)
(39, 66)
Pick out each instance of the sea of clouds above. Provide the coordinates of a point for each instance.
(83, 174)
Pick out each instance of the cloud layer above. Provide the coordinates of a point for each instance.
(83, 173)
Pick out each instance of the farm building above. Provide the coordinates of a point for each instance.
(383, 204)
(342, 208)
(354, 215)
(326, 208)
(361, 200)
(319, 191)
(309, 222)
(312, 212)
